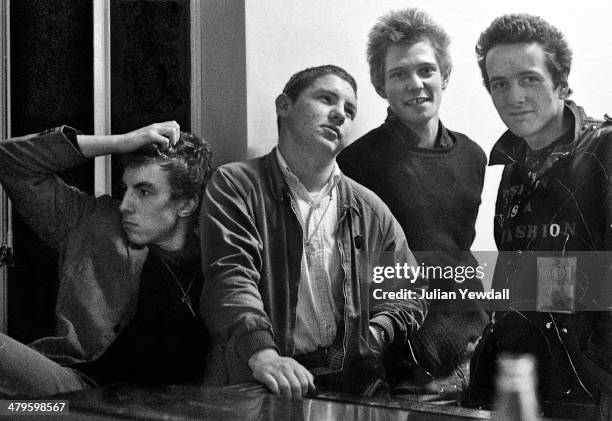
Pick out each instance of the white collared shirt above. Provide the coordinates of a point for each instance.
(320, 288)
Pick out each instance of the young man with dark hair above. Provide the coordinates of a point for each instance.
(290, 249)
(130, 278)
(553, 218)
(431, 178)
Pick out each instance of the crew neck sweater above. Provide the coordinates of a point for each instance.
(435, 195)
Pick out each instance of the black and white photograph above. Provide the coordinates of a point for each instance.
(306, 209)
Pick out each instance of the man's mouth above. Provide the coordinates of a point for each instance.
(128, 224)
(417, 101)
(519, 114)
(334, 130)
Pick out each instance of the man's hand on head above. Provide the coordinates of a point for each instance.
(161, 134)
(282, 375)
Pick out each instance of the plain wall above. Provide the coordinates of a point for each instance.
(224, 106)
(284, 36)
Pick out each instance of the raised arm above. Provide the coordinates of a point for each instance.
(29, 167)
(161, 134)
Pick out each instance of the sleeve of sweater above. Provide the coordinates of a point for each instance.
(28, 172)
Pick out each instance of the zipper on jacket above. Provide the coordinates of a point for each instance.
(292, 204)
(345, 211)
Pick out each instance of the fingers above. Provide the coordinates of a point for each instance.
(293, 381)
(282, 375)
(270, 383)
(311, 385)
(284, 386)
(295, 385)
(165, 134)
(306, 380)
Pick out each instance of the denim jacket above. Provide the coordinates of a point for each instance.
(251, 262)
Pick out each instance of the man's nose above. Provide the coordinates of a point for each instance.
(516, 94)
(413, 82)
(337, 116)
(125, 206)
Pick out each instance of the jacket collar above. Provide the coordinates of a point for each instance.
(280, 190)
(507, 150)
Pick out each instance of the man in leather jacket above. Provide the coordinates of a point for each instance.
(553, 219)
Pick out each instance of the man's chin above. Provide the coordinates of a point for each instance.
(136, 240)
(519, 131)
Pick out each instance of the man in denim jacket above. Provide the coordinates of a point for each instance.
(291, 250)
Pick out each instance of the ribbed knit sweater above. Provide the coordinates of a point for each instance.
(435, 195)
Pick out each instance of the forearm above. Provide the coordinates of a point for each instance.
(235, 315)
(161, 134)
(231, 263)
(399, 317)
(97, 145)
(38, 155)
(28, 167)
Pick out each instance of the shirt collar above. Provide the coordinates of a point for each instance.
(296, 185)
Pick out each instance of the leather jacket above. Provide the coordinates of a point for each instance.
(562, 211)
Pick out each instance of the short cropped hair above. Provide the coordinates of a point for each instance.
(524, 28)
(188, 164)
(407, 26)
(304, 78)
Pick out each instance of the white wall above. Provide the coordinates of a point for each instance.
(284, 36)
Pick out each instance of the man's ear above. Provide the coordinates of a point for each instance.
(283, 105)
(380, 90)
(563, 91)
(445, 79)
(188, 207)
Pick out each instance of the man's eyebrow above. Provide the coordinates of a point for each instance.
(523, 73)
(143, 185)
(529, 72)
(492, 78)
(328, 91)
(400, 67)
(415, 65)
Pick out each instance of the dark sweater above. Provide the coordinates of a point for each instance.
(434, 194)
(164, 343)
